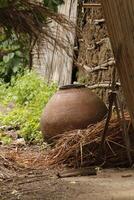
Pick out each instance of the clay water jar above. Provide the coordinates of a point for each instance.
(71, 107)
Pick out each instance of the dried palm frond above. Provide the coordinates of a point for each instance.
(32, 18)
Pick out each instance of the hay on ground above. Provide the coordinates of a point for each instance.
(82, 147)
(78, 148)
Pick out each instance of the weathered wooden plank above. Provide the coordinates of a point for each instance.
(120, 22)
(54, 64)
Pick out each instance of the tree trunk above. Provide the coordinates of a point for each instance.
(120, 23)
(54, 64)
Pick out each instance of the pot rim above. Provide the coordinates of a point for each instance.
(71, 86)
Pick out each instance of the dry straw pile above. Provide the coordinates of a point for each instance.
(82, 147)
(79, 148)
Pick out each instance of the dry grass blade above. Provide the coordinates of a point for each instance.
(86, 143)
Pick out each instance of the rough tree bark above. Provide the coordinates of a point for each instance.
(119, 16)
(95, 52)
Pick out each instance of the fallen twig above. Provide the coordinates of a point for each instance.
(78, 172)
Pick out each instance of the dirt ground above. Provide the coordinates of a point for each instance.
(43, 184)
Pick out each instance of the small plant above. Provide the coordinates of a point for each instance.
(5, 139)
(29, 94)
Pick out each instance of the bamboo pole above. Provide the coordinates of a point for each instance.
(119, 16)
(91, 5)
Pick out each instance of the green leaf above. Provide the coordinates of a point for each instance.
(11, 55)
(6, 59)
(15, 69)
(18, 53)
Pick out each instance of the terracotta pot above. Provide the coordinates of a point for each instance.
(72, 107)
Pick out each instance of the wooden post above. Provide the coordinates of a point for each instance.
(54, 63)
(119, 16)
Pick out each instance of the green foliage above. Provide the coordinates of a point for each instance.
(29, 94)
(53, 4)
(14, 59)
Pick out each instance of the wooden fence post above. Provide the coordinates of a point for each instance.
(119, 16)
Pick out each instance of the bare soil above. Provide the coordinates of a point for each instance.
(40, 183)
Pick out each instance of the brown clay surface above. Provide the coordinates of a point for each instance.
(43, 184)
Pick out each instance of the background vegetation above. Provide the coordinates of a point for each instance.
(22, 23)
(22, 103)
(23, 94)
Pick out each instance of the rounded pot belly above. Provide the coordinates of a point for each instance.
(71, 108)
